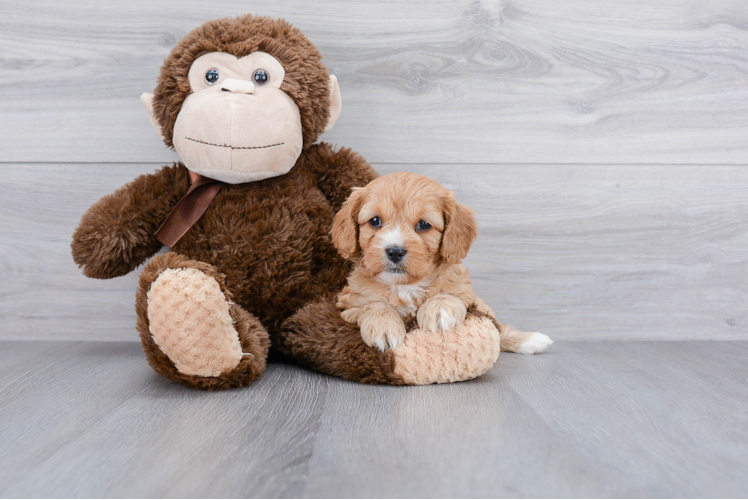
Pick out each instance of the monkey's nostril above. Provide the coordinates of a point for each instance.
(395, 254)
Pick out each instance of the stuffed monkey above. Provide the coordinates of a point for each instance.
(252, 271)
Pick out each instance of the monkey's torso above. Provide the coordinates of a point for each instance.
(271, 240)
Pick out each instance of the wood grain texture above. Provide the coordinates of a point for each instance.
(41, 289)
(578, 252)
(586, 419)
(127, 429)
(443, 81)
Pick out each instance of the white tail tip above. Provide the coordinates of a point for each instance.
(537, 342)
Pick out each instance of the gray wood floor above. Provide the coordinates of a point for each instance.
(600, 419)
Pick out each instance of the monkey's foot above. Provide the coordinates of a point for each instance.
(464, 352)
(190, 322)
(191, 331)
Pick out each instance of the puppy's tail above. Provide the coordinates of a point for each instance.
(514, 340)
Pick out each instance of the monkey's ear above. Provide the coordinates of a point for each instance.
(459, 232)
(345, 226)
(336, 103)
(147, 100)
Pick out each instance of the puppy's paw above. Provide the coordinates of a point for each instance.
(535, 343)
(441, 313)
(484, 308)
(351, 315)
(382, 327)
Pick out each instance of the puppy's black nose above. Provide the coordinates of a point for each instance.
(395, 254)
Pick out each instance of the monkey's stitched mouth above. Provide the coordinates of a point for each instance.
(234, 147)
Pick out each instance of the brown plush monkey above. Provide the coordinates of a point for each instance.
(252, 270)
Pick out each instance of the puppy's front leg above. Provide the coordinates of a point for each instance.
(484, 308)
(441, 312)
(381, 326)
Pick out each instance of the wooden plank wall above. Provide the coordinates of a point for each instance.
(603, 144)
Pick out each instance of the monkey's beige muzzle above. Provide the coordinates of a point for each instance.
(239, 132)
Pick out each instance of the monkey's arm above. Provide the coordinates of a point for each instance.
(338, 172)
(115, 235)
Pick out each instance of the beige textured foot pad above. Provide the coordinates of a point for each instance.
(190, 322)
(463, 353)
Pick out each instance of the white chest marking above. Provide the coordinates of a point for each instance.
(410, 295)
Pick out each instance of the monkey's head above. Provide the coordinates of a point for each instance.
(239, 99)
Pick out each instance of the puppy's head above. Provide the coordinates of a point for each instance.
(401, 226)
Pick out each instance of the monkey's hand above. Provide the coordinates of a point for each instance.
(116, 234)
(441, 312)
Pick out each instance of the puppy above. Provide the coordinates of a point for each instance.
(407, 237)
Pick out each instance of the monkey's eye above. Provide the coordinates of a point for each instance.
(423, 225)
(375, 222)
(212, 76)
(260, 77)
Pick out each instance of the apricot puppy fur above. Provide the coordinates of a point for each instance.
(408, 236)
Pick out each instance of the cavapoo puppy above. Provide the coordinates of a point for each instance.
(407, 236)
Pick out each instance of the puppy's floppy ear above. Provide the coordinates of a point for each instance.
(460, 230)
(345, 226)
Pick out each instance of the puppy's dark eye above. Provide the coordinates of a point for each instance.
(375, 222)
(212, 76)
(423, 225)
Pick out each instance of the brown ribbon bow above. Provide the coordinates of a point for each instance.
(188, 210)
